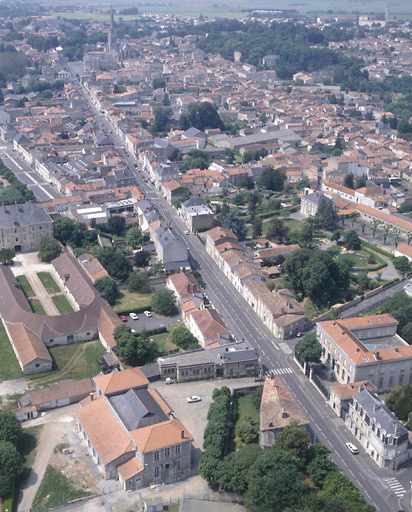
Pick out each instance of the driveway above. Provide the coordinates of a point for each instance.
(10, 387)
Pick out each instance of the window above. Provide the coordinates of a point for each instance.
(380, 382)
(401, 378)
(390, 381)
(177, 449)
(177, 463)
(167, 453)
(156, 472)
(87, 334)
(156, 455)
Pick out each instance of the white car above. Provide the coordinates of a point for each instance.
(352, 448)
(187, 232)
(133, 316)
(148, 313)
(193, 398)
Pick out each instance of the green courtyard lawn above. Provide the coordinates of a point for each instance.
(48, 282)
(127, 301)
(36, 306)
(164, 340)
(76, 361)
(26, 286)
(292, 224)
(356, 259)
(9, 367)
(247, 405)
(56, 489)
(62, 304)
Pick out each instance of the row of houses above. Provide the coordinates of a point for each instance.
(278, 310)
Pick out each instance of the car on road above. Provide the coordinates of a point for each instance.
(123, 318)
(300, 334)
(187, 232)
(133, 316)
(148, 313)
(192, 399)
(352, 448)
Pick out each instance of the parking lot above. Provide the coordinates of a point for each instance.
(194, 416)
(146, 323)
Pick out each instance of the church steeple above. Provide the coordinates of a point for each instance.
(112, 37)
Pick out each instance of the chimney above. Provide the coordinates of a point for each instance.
(91, 396)
(182, 432)
(284, 413)
(376, 407)
(397, 430)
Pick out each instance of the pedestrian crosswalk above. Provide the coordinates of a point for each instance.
(395, 486)
(277, 371)
(286, 348)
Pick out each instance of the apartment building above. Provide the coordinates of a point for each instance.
(366, 348)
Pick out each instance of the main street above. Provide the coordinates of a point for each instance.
(24, 173)
(276, 356)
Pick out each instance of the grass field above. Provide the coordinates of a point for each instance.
(76, 361)
(36, 306)
(9, 367)
(246, 407)
(48, 282)
(55, 490)
(127, 300)
(26, 286)
(164, 340)
(62, 304)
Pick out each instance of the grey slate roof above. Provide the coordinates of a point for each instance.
(377, 410)
(315, 197)
(137, 408)
(26, 214)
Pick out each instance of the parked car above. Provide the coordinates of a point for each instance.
(123, 318)
(300, 334)
(193, 398)
(352, 448)
(169, 380)
(187, 232)
(133, 316)
(148, 313)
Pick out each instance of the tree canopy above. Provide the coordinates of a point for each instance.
(310, 349)
(232, 220)
(108, 288)
(49, 249)
(201, 116)
(184, 339)
(164, 302)
(272, 179)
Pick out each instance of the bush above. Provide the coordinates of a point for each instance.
(247, 430)
(108, 288)
(184, 339)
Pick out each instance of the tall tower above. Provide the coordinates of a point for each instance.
(112, 37)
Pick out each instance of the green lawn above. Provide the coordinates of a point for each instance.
(36, 306)
(164, 340)
(55, 490)
(355, 259)
(26, 286)
(48, 282)
(62, 304)
(126, 301)
(292, 224)
(76, 361)
(9, 367)
(246, 407)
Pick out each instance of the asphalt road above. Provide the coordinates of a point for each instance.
(276, 356)
(24, 173)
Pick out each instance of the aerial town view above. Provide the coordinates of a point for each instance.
(206, 256)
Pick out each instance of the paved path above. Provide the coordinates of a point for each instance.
(41, 294)
(9, 387)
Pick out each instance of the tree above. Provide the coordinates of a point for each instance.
(63, 228)
(327, 213)
(303, 183)
(164, 302)
(319, 464)
(399, 401)
(247, 430)
(6, 255)
(116, 224)
(49, 249)
(338, 485)
(11, 466)
(272, 179)
(257, 227)
(139, 282)
(294, 440)
(360, 183)
(364, 282)
(336, 235)
(159, 83)
(294, 265)
(309, 349)
(141, 258)
(134, 236)
(114, 262)
(184, 339)
(402, 264)
(253, 201)
(10, 428)
(201, 116)
(162, 119)
(348, 181)
(108, 288)
(134, 350)
(275, 482)
(277, 230)
(406, 332)
(352, 240)
(234, 221)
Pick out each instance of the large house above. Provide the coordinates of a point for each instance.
(378, 430)
(22, 226)
(366, 348)
(131, 432)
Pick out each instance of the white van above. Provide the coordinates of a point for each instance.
(352, 448)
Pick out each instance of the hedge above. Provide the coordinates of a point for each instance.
(374, 248)
(133, 310)
(153, 332)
